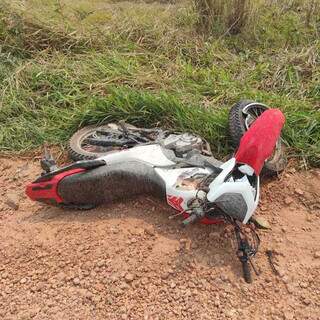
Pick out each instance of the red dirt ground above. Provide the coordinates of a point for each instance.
(129, 261)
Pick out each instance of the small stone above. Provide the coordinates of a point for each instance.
(76, 281)
(304, 285)
(165, 276)
(285, 279)
(123, 309)
(149, 231)
(170, 271)
(268, 280)
(123, 286)
(299, 192)
(7, 290)
(281, 272)
(100, 263)
(114, 230)
(288, 200)
(306, 301)
(12, 200)
(290, 288)
(261, 222)
(23, 280)
(317, 255)
(224, 277)
(230, 312)
(288, 315)
(38, 287)
(129, 277)
(292, 170)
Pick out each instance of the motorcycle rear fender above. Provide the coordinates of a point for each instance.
(47, 190)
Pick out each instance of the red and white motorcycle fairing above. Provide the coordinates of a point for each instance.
(151, 168)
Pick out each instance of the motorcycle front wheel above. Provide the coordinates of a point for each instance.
(241, 116)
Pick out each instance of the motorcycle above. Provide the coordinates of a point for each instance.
(120, 161)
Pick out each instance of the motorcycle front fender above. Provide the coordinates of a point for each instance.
(238, 199)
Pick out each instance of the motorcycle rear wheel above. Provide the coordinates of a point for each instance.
(79, 149)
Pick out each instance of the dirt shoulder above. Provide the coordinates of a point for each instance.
(129, 261)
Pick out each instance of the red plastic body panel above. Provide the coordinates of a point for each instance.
(258, 143)
(47, 191)
(208, 221)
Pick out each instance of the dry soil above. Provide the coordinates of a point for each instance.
(129, 261)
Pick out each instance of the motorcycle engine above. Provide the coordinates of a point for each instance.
(182, 143)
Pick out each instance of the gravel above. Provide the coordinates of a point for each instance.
(126, 261)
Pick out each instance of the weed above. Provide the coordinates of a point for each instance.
(231, 16)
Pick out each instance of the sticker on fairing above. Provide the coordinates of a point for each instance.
(175, 202)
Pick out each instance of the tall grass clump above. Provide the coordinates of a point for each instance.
(224, 16)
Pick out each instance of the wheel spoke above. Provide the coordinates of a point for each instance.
(252, 114)
(255, 111)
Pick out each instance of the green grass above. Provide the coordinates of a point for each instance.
(64, 65)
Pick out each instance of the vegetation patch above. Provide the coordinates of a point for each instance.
(65, 64)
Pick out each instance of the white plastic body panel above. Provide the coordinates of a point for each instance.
(170, 176)
(151, 154)
(242, 186)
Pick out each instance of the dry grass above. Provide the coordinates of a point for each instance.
(231, 16)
